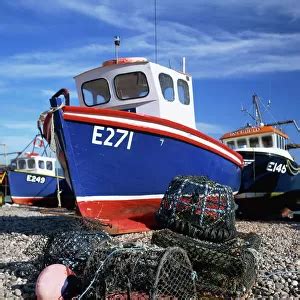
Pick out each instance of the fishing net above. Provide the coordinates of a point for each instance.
(198, 207)
(228, 269)
(139, 273)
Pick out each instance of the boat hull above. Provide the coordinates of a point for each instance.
(270, 184)
(38, 190)
(120, 164)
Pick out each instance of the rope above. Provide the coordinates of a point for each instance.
(54, 149)
(2, 176)
(292, 169)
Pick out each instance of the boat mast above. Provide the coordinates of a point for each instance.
(258, 117)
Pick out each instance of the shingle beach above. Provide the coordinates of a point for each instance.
(23, 227)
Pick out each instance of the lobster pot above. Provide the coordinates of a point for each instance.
(200, 208)
(227, 269)
(139, 273)
(73, 248)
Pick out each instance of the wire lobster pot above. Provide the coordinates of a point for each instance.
(200, 208)
(139, 273)
(73, 248)
(227, 269)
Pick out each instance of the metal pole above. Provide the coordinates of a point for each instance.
(5, 180)
(5, 153)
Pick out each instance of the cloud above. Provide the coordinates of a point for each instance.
(208, 56)
(19, 125)
(212, 51)
(211, 129)
(15, 143)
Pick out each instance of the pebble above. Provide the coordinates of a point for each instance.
(23, 228)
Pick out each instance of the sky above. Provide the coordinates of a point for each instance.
(233, 49)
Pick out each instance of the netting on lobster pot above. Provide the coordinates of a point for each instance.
(73, 248)
(227, 269)
(139, 273)
(198, 207)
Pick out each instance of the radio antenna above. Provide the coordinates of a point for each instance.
(117, 42)
(155, 30)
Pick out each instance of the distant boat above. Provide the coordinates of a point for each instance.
(33, 180)
(133, 132)
(271, 178)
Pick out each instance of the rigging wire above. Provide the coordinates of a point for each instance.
(155, 30)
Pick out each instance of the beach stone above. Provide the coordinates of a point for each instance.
(17, 292)
(294, 283)
(279, 286)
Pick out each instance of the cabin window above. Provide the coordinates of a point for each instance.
(49, 165)
(280, 142)
(131, 85)
(167, 86)
(13, 164)
(183, 92)
(41, 164)
(31, 163)
(242, 143)
(230, 144)
(254, 142)
(95, 92)
(22, 164)
(283, 143)
(267, 141)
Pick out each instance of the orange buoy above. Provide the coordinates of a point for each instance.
(124, 60)
(57, 282)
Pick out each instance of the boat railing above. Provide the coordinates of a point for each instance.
(63, 92)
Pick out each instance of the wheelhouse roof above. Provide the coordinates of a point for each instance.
(253, 131)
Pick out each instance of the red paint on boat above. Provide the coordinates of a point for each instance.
(35, 201)
(122, 216)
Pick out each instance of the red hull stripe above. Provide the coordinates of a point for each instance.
(179, 132)
(145, 118)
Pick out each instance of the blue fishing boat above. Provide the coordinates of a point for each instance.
(132, 133)
(270, 183)
(33, 180)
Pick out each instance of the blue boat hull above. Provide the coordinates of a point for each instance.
(120, 171)
(39, 190)
(269, 184)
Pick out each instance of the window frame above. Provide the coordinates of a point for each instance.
(257, 143)
(25, 164)
(41, 161)
(89, 81)
(173, 87)
(270, 139)
(34, 163)
(130, 98)
(229, 143)
(48, 162)
(187, 90)
(241, 146)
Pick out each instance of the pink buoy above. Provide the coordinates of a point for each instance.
(56, 282)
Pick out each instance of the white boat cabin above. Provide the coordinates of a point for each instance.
(258, 139)
(140, 86)
(35, 164)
